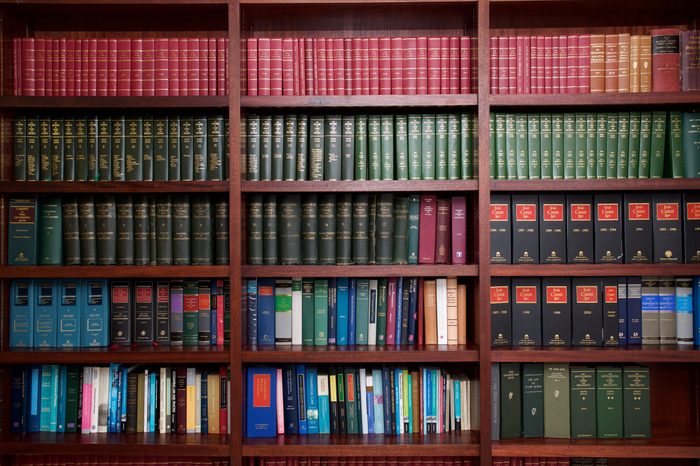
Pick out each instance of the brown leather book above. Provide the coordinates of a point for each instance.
(623, 64)
(597, 63)
(430, 311)
(611, 62)
(635, 43)
(462, 314)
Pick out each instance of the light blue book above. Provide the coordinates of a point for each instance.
(342, 309)
(312, 425)
(61, 399)
(22, 314)
(398, 420)
(46, 399)
(378, 401)
(410, 404)
(352, 311)
(113, 397)
(69, 310)
(152, 402)
(45, 314)
(458, 403)
(324, 405)
(53, 422)
(95, 313)
(362, 310)
(34, 414)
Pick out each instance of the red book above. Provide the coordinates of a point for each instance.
(474, 74)
(444, 65)
(459, 230)
(161, 67)
(16, 65)
(357, 67)
(193, 84)
(548, 65)
(252, 65)
(519, 64)
(124, 67)
(28, 54)
(584, 64)
(434, 65)
(330, 68)
(512, 64)
(410, 62)
(347, 65)
(183, 65)
(112, 67)
(91, 61)
(665, 60)
(263, 66)
(212, 69)
(173, 67)
(572, 64)
(527, 65)
(555, 65)
(419, 330)
(322, 81)
(309, 82)
(427, 229)
(385, 65)
(221, 66)
(563, 62)
(79, 82)
(465, 65)
(374, 80)
(540, 64)
(454, 65)
(297, 57)
(422, 65)
(203, 66)
(62, 67)
(391, 311)
(70, 67)
(220, 300)
(339, 66)
(503, 65)
(48, 67)
(226, 65)
(442, 236)
(493, 66)
(181, 399)
(287, 66)
(136, 84)
(223, 401)
(39, 67)
(397, 65)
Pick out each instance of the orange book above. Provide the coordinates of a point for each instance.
(635, 42)
(611, 62)
(415, 395)
(452, 316)
(461, 314)
(645, 64)
(597, 63)
(430, 310)
(623, 63)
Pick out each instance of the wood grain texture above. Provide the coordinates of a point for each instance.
(646, 99)
(661, 184)
(372, 271)
(396, 186)
(623, 354)
(41, 102)
(360, 354)
(122, 355)
(593, 270)
(116, 271)
(359, 101)
(93, 187)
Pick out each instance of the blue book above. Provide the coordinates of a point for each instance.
(261, 408)
(22, 314)
(301, 398)
(124, 387)
(696, 310)
(69, 310)
(362, 312)
(369, 402)
(252, 311)
(312, 426)
(153, 401)
(266, 311)
(324, 405)
(45, 308)
(204, 394)
(95, 313)
(113, 397)
(458, 404)
(622, 310)
(332, 311)
(399, 309)
(412, 310)
(18, 390)
(352, 310)
(398, 388)
(34, 411)
(62, 379)
(289, 383)
(634, 310)
(378, 401)
(342, 312)
(46, 400)
(386, 397)
(55, 388)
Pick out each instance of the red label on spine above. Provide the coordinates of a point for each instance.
(526, 212)
(580, 212)
(498, 212)
(587, 294)
(608, 212)
(525, 294)
(499, 295)
(667, 211)
(693, 210)
(553, 212)
(639, 211)
(556, 294)
(610, 294)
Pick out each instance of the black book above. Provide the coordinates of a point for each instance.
(500, 229)
(526, 311)
(326, 229)
(552, 228)
(147, 149)
(202, 230)
(92, 148)
(611, 321)
(144, 315)
(216, 148)
(86, 223)
(500, 312)
(269, 230)
(81, 150)
(608, 228)
(173, 148)
(290, 400)
(181, 229)
(199, 148)
(142, 250)
(104, 149)
(586, 312)
(152, 230)
(332, 379)
(105, 229)
(186, 149)
(125, 231)
(526, 232)
(691, 221)
(309, 229)
(133, 149)
(343, 229)
(71, 231)
(556, 311)
(638, 228)
(160, 149)
(360, 233)
(668, 228)
(222, 232)
(131, 401)
(289, 214)
(56, 149)
(68, 149)
(254, 229)
(120, 312)
(579, 229)
(164, 230)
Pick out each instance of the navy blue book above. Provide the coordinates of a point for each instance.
(389, 426)
(399, 309)
(266, 311)
(622, 309)
(261, 408)
(412, 310)
(634, 310)
(352, 310)
(312, 425)
(332, 311)
(342, 307)
(61, 402)
(301, 398)
(290, 400)
(18, 391)
(33, 415)
(696, 310)
(204, 419)
(95, 312)
(22, 314)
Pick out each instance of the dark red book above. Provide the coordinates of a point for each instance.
(555, 65)
(384, 65)
(493, 66)
(584, 64)
(226, 65)
(119, 55)
(320, 49)
(465, 65)
(459, 230)
(330, 68)
(474, 73)
(28, 62)
(572, 64)
(90, 62)
(397, 65)
(173, 67)
(503, 65)
(48, 67)
(454, 70)
(193, 81)
(62, 67)
(512, 64)
(348, 66)
(540, 64)
(70, 67)
(433, 65)
(181, 399)
(409, 78)
(149, 67)
(548, 65)
(357, 67)
(223, 401)
(519, 64)
(80, 83)
(287, 66)
(444, 65)
(39, 67)
(527, 65)
(442, 236)
(563, 64)
(309, 83)
(338, 66)
(374, 77)
(161, 67)
(665, 60)
(182, 67)
(252, 64)
(221, 66)
(427, 229)
(16, 66)
(298, 59)
(136, 81)
(264, 66)
(212, 69)
(365, 88)
(421, 65)
(203, 66)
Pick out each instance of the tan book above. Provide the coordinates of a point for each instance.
(462, 314)
(213, 402)
(611, 62)
(645, 63)
(430, 311)
(415, 395)
(635, 42)
(623, 64)
(597, 63)
(452, 316)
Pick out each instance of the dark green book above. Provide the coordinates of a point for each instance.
(118, 148)
(428, 146)
(152, 230)
(71, 231)
(510, 401)
(382, 291)
(516, 146)
(569, 145)
(454, 150)
(81, 149)
(533, 400)
(372, 227)
(182, 236)
(326, 229)
(19, 138)
(591, 160)
(73, 393)
(32, 149)
(174, 148)
(623, 144)
(222, 233)
(361, 147)
(269, 229)
(634, 142)
(190, 314)
(360, 225)
(415, 168)
(133, 149)
(401, 230)
(302, 172)
(636, 402)
(44, 149)
(105, 229)
(160, 149)
(347, 164)
(22, 231)
(412, 229)
(217, 154)
(609, 415)
(441, 147)
(265, 167)
(87, 227)
(645, 144)
(147, 148)
(316, 148)
(401, 147)
(142, 250)
(580, 148)
(658, 145)
(320, 312)
(374, 147)
(68, 149)
(164, 230)
(202, 230)
(546, 146)
(675, 127)
(556, 400)
(92, 148)
(56, 149)
(387, 146)
(289, 210)
(385, 228)
(466, 143)
(557, 146)
(583, 405)
(277, 147)
(289, 165)
(187, 162)
(611, 132)
(253, 147)
(534, 146)
(332, 147)
(125, 230)
(492, 146)
(254, 229)
(601, 145)
(501, 156)
(343, 229)
(309, 229)
(307, 311)
(691, 144)
(200, 148)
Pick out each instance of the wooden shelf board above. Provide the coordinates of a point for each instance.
(622, 354)
(116, 444)
(448, 444)
(593, 270)
(346, 2)
(396, 186)
(115, 271)
(122, 355)
(663, 184)
(372, 271)
(595, 100)
(114, 2)
(95, 187)
(200, 102)
(366, 101)
(360, 354)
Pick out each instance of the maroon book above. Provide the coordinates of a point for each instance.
(348, 67)
(540, 64)
(221, 66)
(512, 64)
(690, 60)
(203, 66)
(465, 65)
(69, 56)
(263, 66)
(493, 70)
(459, 230)
(584, 64)
(454, 65)
(181, 400)
(563, 64)
(287, 66)
(409, 77)
(433, 65)
(60, 65)
(330, 68)
(28, 76)
(90, 66)
(297, 70)
(555, 65)
(357, 67)
(320, 54)
(48, 66)
(101, 67)
(136, 81)
(442, 237)
(520, 65)
(338, 66)
(527, 65)
(309, 81)
(276, 66)
(173, 88)
(39, 67)
(422, 65)
(149, 67)
(397, 65)
(572, 65)
(80, 84)
(427, 229)
(123, 57)
(503, 65)
(183, 65)
(444, 65)
(384, 65)
(193, 84)
(548, 67)
(665, 60)
(212, 69)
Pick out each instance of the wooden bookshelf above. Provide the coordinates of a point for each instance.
(111, 102)
(94, 187)
(396, 186)
(122, 355)
(116, 271)
(593, 270)
(361, 354)
(360, 101)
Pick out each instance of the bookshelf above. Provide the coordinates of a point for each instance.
(675, 370)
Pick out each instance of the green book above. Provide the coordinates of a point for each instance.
(81, 149)
(289, 212)
(360, 147)
(105, 230)
(348, 148)
(332, 150)
(253, 149)
(73, 391)
(557, 146)
(221, 231)
(19, 138)
(199, 149)
(591, 146)
(153, 230)
(277, 148)
(187, 162)
(609, 415)
(415, 139)
(125, 230)
(533, 400)
(387, 146)
(86, 226)
(50, 233)
(289, 168)
(164, 230)
(147, 148)
(362, 312)
(372, 227)
(265, 166)
(360, 226)
(326, 229)
(413, 224)
(428, 146)
(441, 146)
(580, 148)
(601, 145)
(546, 146)
(68, 149)
(658, 145)
(569, 145)
(511, 401)
(611, 144)
(173, 148)
(56, 146)
(32, 149)
(302, 172)
(401, 147)
(374, 147)
(385, 228)
(190, 315)
(133, 170)
(119, 148)
(381, 311)
(556, 400)
(92, 142)
(316, 143)
(307, 312)
(634, 140)
(691, 144)
(516, 146)
(45, 149)
(160, 148)
(343, 229)
(254, 229)
(320, 312)
(217, 151)
(676, 144)
(636, 402)
(454, 150)
(492, 146)
(309, 229)
(623, 143)
(583, 406)
(501, 156)
(534, 147)
(142, 250)
(401, 230)
(269, 242)
(645, 144)
(466, 146)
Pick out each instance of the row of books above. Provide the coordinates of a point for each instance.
(359, 65)
(593, 311)
(306, 399)
(361, 147)
(534, 461)
(120, 148)
(361, 228)
(106, 460)
(120, 66)
(362, 461)
(663, 61)
(103, 229)
(116, 398)
(561, 401)
(595, 145)
(601, 228)
(350, 311)
(75, 313)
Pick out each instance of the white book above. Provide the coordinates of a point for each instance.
(452, 318)
(296, 311)
(198, 401)
(163, 399)
(145, 401)
(168, 401)
(372, 330)
(399, 397)
(283, 312)
(464, 401)
(363, 400)
(441, 298)
(95, 400)
(87, 381)
(103, 407)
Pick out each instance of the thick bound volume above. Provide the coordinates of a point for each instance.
(636, 402)
(71, 232)
(22, 232)
(50, 232)
(609, 402)
(86, 225)
(556, 311)
(144, 315)
(95, 301)
(691, 225)
(608, 228)
(583, 405)
(667, 224)
(500, 311)
(45, 314)
(533, 400)
(610, 312)
(22, 314)
(527, 312)
(552, 228)
(526, 230)
(556, 401)
(500, 228)
(120, 326)
(68, 319)
(105, 230)
(162, 329)
(511, 395)
(638, 228)
(586, 312)
(579, 236)
(665, 60)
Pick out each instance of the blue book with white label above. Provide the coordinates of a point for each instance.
(34, 397)
(696, 310)
(261, 407)
(342, 306)
(266, 311)
(61, 401)
(301, 398)
(46, 398)
(69, 310)
(45, 309)
(352, 310)
(324, 405)
(378, 401)
(312, 425)
(22, 314)
(634, 310)
(622, 310)
(95, 312)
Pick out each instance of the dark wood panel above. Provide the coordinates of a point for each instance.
(360, 354)
(359, 101)
(663, 184)
(122, 355)
(358, 186)
(358, 271)
(115, 271)
(91, 187)
(113, 2)
(593, 270)
(194, 102)
(646, 99)
(343, 2)
(622, 354)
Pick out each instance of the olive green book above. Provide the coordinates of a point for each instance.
(187, 162)
(253, 147)
(569, 145)
(343, 229)
(428, 146)
(309, 229)
(254, 229)
(216, 148)
(601, 145)
(401, 230)
(556, 400)
(516, 145)
(387, 146)
(160, 148)
(200, 149)
(50, 231)
(385, 228)
(326, 229)
(68, 149)
(316, 132)
(289, 168)
(580, 146)
(675, 122)
(492, 146)
(401, 139)
(332, 150)
(501, 160)
(454, 148)
(173, 148)
(658, 145)
(347, 164)
(590, 146)
(533, 400)
(289, 211)
(441, 146)
(583, 405)
(56, 145)
(533, 147)
(265, 166)
(361, 147)
(466, 144)
(557, 146)
(81, 146)
(360, 229)
(302, 167)
(623, 144)
(269, 243)
(45, 149)
(511, 401)
(636, 402)
(634, 141)
(415, 169)
(374, 147)
(277, 149)
(645, 144)
(147, 148)
(133, 169)
(546, 146)
(32, 149)
(611, 144)
(609, 400)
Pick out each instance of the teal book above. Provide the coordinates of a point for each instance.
(45, 313)
(320, 312)
(22, 232)
(362, 312)
(413, 225)
(50, 231)
(47, 401)
(69, 317)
